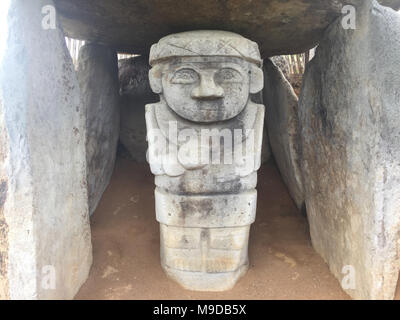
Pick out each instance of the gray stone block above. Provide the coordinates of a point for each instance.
(98, 79)
(350, 115)
(284, 129)
(45, 243)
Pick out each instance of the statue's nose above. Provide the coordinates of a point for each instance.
(207, 89)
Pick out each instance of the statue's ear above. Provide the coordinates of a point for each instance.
(256, 79)
(155, 75)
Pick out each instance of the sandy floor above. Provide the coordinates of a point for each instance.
(125, 236)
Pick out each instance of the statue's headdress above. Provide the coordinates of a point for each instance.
(205, 43)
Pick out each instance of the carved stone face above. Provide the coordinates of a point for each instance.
(206, 89)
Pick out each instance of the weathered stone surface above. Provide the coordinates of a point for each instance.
(98, 79)
(134, 77)
(278, 26)
(350, 115)
(4, 285)
(266, 152)
(136, 93)
(282, 64)
(133, 127)
(205, 206)
(44, 221)
(295, 79)
(284, 129)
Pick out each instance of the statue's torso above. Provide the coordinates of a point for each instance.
(232, 177)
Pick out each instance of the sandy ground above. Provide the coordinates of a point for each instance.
(125, 236)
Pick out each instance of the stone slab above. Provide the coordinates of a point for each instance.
(45, 241)
(350, 115)
(278, 26)
(98, 79)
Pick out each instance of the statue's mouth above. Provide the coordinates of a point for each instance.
(210, 105)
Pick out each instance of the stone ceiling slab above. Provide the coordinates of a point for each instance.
(278, 26)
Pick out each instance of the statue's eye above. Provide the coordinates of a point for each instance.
(185, 76)
(228, 75)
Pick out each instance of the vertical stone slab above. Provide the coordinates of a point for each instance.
(45, 241)
(284, 129)
(98, 79)
(135, 94)
(350, 115)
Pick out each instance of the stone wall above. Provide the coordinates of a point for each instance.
(278, 26)
(45, 243)
(135, 94)
(350, 115)
(98, 78)
(283, 127)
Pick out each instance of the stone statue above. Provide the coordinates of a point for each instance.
(205, 189)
